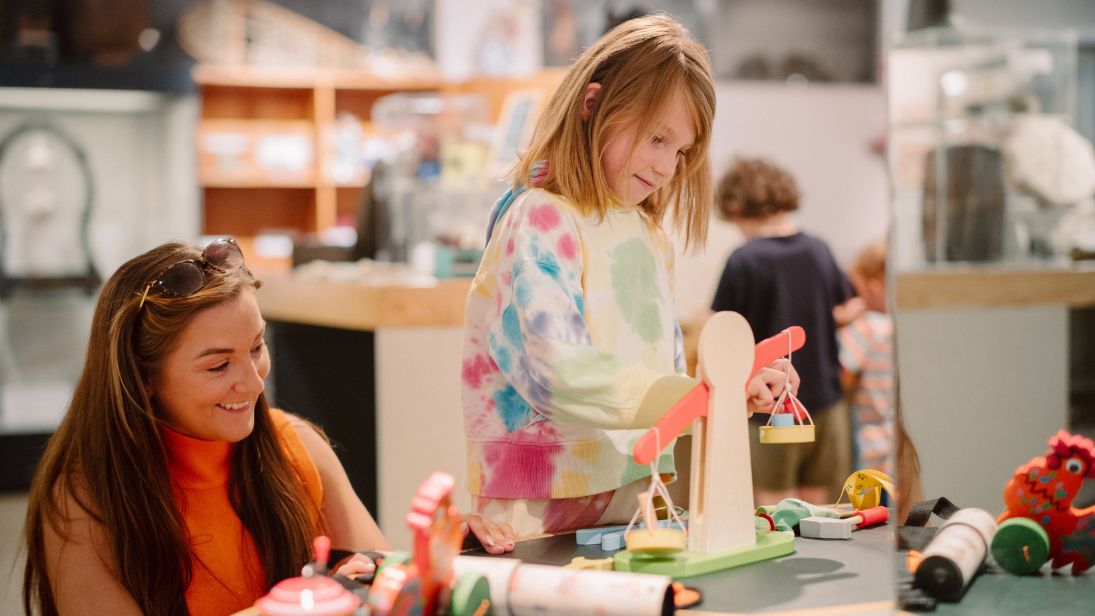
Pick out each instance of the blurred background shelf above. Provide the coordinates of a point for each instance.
(265, 144)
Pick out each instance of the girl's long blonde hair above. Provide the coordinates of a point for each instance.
(644, 66)
(108, 457)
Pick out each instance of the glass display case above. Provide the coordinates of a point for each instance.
(431, 195)
(983, 156)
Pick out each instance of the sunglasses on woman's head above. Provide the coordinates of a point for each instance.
(188, 277)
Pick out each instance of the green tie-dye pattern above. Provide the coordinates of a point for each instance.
(635, 471)
(635, 283)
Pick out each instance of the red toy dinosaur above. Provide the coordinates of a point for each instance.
(1042, 490)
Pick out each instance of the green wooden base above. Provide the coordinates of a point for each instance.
(770, 544)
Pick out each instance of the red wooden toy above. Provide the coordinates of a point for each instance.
(1042, 490)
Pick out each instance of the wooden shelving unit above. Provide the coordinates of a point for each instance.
(241, 107)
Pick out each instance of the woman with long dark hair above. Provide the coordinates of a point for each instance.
(171, 487)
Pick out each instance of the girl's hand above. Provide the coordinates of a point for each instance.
(767, 384)
(496, 538)
(356, 565)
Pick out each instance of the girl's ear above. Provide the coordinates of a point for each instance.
(589, 102)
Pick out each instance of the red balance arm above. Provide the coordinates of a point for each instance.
(694, 403)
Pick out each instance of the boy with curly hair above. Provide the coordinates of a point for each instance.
(782, 277)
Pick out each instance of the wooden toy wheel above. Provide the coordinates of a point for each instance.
(1020, 546)
(471, 597)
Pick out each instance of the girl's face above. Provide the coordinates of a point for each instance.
(211, 381)
(653, 162)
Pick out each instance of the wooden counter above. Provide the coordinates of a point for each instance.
(993, 287)
(359, 306)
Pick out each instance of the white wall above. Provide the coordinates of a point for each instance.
(982, 390)
(140, 147)
(822, 135)
(419, 420)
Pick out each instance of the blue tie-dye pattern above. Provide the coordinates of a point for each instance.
(679, 359)
(523, 292)
(512, 408)
(537, 321)
(549, 265)
(501, 358)
(542, 325)
(511, 327)
(507, 199)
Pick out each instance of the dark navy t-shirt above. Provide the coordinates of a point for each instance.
(777, 282)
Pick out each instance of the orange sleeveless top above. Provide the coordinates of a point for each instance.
(228, 575)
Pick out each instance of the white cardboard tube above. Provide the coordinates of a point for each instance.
(498, 572)
(540, 590)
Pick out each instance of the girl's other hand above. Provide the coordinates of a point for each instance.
(767, 385)
(356, 565)
(496, 538)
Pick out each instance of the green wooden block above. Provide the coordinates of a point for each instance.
(397, 557)
(770, 544)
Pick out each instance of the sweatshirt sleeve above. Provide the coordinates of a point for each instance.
(540, 341)
(680, 362)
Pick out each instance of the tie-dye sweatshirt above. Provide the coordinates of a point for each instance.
(569, 322)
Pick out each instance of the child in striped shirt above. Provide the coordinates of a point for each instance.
(866, 355)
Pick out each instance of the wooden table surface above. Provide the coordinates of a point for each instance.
(363, 306)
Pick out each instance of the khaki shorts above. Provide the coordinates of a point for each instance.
(826, 462)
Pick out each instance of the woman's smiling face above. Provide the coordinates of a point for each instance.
(209, 384)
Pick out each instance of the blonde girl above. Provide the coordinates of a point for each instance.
(571, 345)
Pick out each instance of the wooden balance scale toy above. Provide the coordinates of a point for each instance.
(721, 531)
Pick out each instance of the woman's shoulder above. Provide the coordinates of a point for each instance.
(72, 514)
(71, 496)
(303, 444)
(294, 432)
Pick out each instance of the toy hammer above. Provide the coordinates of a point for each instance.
(829, 528)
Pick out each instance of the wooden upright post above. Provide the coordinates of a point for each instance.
(721, 510)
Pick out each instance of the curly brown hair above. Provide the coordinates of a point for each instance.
(755, 188)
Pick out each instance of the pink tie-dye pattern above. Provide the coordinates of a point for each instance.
(550, 227)
(566, 246)
(509, 248)
(537, 461)
(544, 217)
(475, 369)
(571, 513)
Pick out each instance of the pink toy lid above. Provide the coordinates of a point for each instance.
(314, 596)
